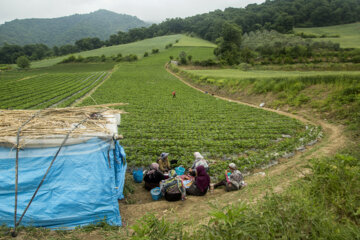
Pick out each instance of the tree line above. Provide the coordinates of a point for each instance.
(279, 15)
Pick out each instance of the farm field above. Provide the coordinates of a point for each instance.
(156, 122)
(193, 121)
(137, 48)
(47, 89)
(349, 34)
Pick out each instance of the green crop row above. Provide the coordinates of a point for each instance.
(48, 89)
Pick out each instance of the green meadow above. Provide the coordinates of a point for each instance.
(138, 48)
(257, 74)
(349, 34)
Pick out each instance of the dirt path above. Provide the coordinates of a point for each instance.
(195, 209)
(80, 100)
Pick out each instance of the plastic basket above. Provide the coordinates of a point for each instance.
(138, 175)
(180, 171)
(155, 193)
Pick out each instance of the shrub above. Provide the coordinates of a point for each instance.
(155, 51)
(23, 62)
(130, 58)
(69, 59)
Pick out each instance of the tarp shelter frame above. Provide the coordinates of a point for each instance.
(17, 223)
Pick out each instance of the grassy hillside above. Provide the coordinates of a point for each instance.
(238, 74)
(137, 48)
(187, 41)
(349, 34)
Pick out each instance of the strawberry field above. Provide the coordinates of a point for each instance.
(193, 121)
(46, 89)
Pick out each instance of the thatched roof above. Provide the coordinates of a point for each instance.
(98, 119)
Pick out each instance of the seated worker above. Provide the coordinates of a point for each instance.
(199, 161)
(201, 183)
(153, 177)
(173, 188)
(163, 162)
(234, 180)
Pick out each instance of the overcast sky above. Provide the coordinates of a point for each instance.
(147, 10)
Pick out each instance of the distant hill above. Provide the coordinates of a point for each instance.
(66, 30)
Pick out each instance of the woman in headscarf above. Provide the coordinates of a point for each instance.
(234, 180)
(199, 161)
(153, 177)
(201, 183)
(173, 188)
(163, 162)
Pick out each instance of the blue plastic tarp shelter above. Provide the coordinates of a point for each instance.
(82, 187)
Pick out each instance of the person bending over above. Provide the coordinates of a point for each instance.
(153, 177)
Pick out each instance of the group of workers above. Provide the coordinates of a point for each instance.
(196, 182)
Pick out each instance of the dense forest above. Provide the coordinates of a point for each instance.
(66, 30)
(279, 15)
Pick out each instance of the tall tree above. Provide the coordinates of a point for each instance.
(228, 49)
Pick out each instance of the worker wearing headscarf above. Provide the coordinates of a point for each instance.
(201, 183)
(153, 177)
(199, 161)
(234, 180)
(163, 161)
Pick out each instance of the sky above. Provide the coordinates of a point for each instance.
(148, 10)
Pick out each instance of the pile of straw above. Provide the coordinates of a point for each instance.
(55, 121)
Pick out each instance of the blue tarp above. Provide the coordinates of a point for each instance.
(81, 188)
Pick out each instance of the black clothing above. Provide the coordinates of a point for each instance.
(194, 190)
(153, 179)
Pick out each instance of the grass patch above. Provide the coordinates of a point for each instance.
(187, 41)
(258, 74)
(349, 34)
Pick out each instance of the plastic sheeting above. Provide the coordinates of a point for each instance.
(82, 187)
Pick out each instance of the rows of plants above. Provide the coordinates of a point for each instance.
(47, 90)
(222, 131)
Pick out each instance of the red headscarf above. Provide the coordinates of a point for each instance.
(202, 179)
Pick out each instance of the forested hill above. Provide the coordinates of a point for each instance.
(66, 30)
(279, 15)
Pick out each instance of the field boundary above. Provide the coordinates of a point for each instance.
(80, 100)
